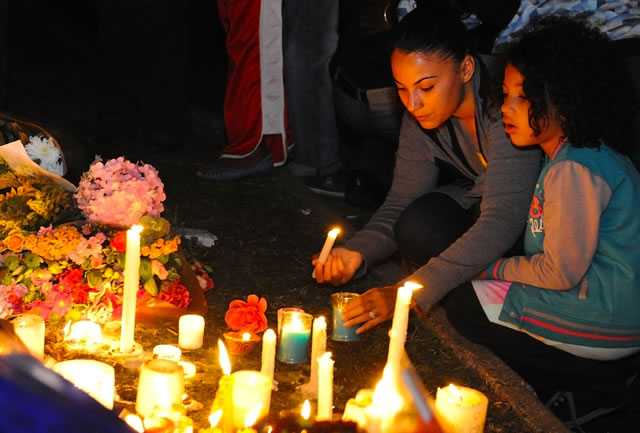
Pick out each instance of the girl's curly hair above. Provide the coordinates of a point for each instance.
(571, 66)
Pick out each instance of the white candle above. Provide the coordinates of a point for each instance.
(386, 403)
(460, 409)
(398, 333)
(85, 330)
(161, 384)
(190, 331)
(268, 353)
(167, 351)
(250, 389)
(318, 347)
(129, 295)
(93, 377)
(30, 329)
(328, 244)
(325, 387)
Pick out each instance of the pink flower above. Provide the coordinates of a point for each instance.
(247, 316)
(158, 269)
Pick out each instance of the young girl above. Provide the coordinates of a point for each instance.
(577, 289)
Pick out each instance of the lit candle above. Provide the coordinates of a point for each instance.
(294, 337)
(131, 283)
(318, 347)
(30, 329)
(85, 330)
(398, 334)
(328, 244)
(225, 388)
(325, 387)
(461, 409)
(268, 353)
(281, 312)
(161, 384)
(250, 389)
(386, 403)
(93, 377)
(190, 331)
(167, 351)
(339, 331)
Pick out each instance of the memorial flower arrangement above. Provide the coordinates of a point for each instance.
(43, 152)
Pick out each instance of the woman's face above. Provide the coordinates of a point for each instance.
(431, 88)
(515, 115)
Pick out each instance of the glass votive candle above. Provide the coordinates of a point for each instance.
(30, 329)
(281, 311)
(93, 377)
(161, 384)
(340, 332)
(294, 337)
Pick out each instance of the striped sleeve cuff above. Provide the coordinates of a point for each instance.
(495, 270)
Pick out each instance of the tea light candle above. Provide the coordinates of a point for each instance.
(268, 353)
(339, 331)
(250, 390)
(318, 347)
(190, 331)
(294, 338)
(398, 333)
(131, 283)
(85, 330)
(93, 377)
(167, 351)
(325, 387)
(30, 329)
(460, 409)
(161, 384)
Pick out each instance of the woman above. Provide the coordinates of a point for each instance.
(451, 231)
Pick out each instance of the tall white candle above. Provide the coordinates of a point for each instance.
(398, 334)
(93, 377)
(131, 282)
(30, 329)
(268, 353)
(328, 244)
(190, 331)
(318, 347)
(325, 387)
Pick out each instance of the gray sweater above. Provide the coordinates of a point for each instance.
(504, 188)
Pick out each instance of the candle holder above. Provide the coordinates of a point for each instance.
(30, 329)
(340, 332)
(240, 343)
(294, 337)
(93, 377)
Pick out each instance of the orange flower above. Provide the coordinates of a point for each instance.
(247, 316)
(14, 240)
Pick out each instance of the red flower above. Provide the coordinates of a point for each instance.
(119, 242)
(177, 294)
(247, 316)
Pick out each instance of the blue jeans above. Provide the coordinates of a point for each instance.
(310, 40)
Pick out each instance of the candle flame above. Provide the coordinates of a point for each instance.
(246, 336)
(252, 416)
(225, 364)
(334, 232)
(412, 286)
(135, 422)
(296, 323)
(385, 396)
(65, 330)
(306, 410)
(137, 228)
(214, 418)
(83, 330)
(455, 391)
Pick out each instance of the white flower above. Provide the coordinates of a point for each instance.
(42, 151)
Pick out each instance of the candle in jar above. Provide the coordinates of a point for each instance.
(325, 387)
(398, 333)
(339, 331)
(268, 353)
(93, 377)
(130, 291)
(460, 409)
(294, 337)
(250, 390)
(30, 329)
(190, 331)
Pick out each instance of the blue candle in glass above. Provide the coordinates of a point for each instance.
(340, 332)
(294, 337)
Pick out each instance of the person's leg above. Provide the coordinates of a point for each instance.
(429, 225)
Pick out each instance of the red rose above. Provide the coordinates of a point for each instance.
(119, 242)
(247, 316)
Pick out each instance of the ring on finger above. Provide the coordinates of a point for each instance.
(372, 314)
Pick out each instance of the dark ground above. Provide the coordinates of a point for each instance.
(268, 227)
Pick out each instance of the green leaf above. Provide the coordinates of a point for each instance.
(151, 287)
(94, 277)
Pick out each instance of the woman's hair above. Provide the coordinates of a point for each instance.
(571, 66)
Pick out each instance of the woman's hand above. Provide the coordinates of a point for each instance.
(340, 267)
(371, 308)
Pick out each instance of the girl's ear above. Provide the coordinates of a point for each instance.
(467, 67)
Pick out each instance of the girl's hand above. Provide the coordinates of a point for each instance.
(340, 267)
(371, 308)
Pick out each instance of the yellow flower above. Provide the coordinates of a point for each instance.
(14, 240)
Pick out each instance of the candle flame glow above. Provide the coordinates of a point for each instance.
(252, 416)
(225, 364)
(306, 410)
(334, 232)
(65, 330)
(135, 422)
(296, 323)
(214, 418)
(455, 391)
(137, 228)
(246, 336)
(385, 396)
(412, 286)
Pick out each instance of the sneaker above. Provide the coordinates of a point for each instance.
(330, 185)
(574, 410)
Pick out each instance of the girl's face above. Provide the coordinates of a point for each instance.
(432, 89)
(515, 115)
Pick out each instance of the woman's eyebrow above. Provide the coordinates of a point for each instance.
(428, 77)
